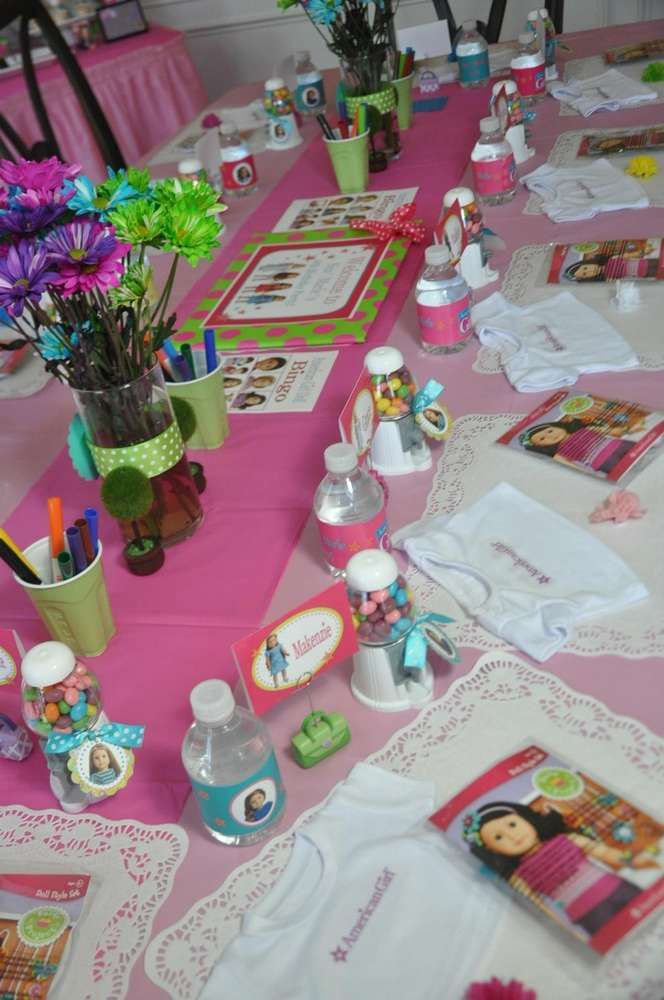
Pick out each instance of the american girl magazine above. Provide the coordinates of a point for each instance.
(583, 855)
(602, 437)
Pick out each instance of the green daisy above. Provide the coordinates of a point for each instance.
(138, 222)
(199, 196)
(190, 234)
(136, 283)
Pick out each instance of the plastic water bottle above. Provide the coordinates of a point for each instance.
(350, 509)
(309, 89)
(443, 304)
(493, 166)
(238, 170)
(528, 71)
(549, 45)
(230, 760)
(472, 53)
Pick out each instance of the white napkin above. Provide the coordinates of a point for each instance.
(609, 91)
(571, 193)
(549, 344)
(526, 573)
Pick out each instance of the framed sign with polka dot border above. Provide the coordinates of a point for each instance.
(299, 288)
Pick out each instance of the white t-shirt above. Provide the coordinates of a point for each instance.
(549, 344)
(572, 193)
(373, 904)
(608, 91)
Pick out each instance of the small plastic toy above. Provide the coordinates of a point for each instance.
(628, 297)
(321, 734)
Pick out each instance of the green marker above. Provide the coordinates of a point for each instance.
(185, 351)
(66, 564)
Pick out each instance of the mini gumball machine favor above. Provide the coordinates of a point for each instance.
(406, 415)
(87, 756)
(390, 669)
(282, 126)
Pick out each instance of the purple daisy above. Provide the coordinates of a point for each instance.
(33, 210)
(24, 276)
(31, 174)
(88, 256)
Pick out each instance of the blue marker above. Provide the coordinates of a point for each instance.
(170, 350)
(92, 518)
(210, 351)
(76, 548)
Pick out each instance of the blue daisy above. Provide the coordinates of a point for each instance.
(323, 11)
(89, 200)
(53, 344)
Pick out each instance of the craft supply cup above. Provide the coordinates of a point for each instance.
(205, 394)
(404, 89)
(75, 611)
(350, 160)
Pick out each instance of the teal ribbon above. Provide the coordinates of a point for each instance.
(426, 395)
(415, 650)
(112, 732)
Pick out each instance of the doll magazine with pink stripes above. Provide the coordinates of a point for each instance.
(577, 851)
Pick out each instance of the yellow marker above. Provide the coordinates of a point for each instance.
(19, 552)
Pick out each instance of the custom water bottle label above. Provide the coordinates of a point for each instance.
(341, 541)
(445, 324)
(238, 174)
(494, 176)
(281, 129)
(530, 81)
(473, 69)
(236, 810)
(309, 96)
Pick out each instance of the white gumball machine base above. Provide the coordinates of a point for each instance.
(390, 454)
(381, 682)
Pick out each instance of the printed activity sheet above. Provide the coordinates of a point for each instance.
(342, 209)
(276, 383)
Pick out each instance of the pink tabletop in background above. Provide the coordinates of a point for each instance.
(147, 86)
(175, 629)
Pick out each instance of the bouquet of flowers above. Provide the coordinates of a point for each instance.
(354, 30)
(74, 278)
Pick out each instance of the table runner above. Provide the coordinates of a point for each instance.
(502, 704)
(175, 629)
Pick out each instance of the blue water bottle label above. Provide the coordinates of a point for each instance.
(236, 810)
(310, 96)
(474, 69)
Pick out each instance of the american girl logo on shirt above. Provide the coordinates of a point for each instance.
(521, 563)
(582, 854)
(348, 941)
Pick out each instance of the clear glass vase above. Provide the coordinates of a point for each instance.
(369, 75)
(127, 415)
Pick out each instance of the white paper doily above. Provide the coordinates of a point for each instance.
(137, 864)
(566, 146)
(500, 705)
(581, 69)
(525, 283)
(472, 464)
(30, 377)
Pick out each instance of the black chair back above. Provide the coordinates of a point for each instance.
(11, 144)
(491, 30)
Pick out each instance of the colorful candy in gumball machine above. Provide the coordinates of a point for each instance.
(398, 445)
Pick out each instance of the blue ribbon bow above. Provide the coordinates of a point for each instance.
(113, 732)
(417, 641)
(426, 395)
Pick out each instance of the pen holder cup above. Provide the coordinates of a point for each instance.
(404, 89)
(350, 161)
(76, 611)
(205, 394)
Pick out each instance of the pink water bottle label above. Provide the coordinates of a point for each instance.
(446, 324)
(494, 176)
(341, 541)
(237, 174)
(530, 80)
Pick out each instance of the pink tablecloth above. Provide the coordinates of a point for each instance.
(147, 86)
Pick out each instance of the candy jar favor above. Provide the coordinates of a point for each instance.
(384, 616)
(59, 695)
(87, 756)
(282, 126)
(398, 445)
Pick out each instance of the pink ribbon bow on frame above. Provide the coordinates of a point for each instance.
(398, 224)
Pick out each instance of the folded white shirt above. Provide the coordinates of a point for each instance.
(523, 571)
(549, 344)
(571, 193)
(609, 91)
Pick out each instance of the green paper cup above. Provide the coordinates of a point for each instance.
(76, 611)
(205, 394)
(404, 89)
(350, 160)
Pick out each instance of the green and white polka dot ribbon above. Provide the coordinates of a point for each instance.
(383, 100)
(151, 457)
